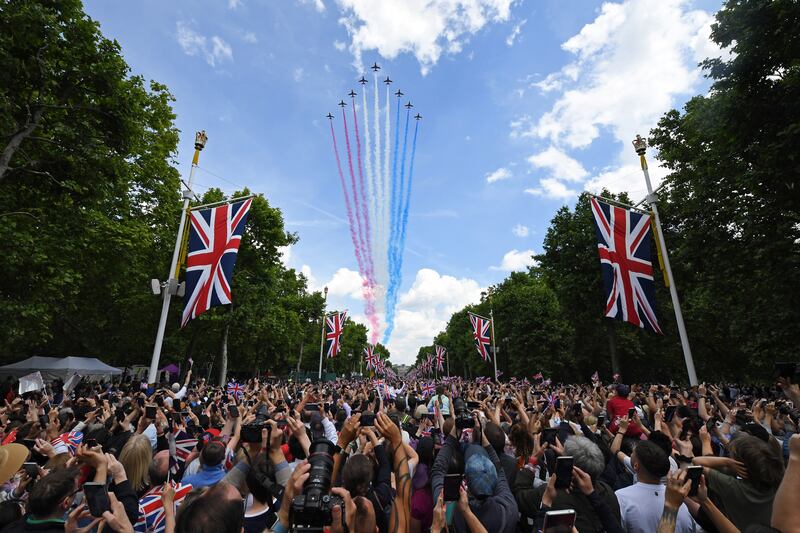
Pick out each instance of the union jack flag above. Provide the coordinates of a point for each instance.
(538, 375)
(334, 324)
(151, 508)
(214, 238)
(428, 389)
(235, 390)
(480, 331)
(68, 442)
(440, 352)
(369, 356)
(624, 243)
(184, 444)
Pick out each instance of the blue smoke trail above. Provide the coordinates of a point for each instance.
(393, 217)
(398, 243)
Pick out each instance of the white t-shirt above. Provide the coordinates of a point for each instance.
(641, 505)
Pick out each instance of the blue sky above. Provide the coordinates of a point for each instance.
(525, 103)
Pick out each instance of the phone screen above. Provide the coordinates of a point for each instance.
(97, 498)
(694, 473)
(452, 482)
(367, 419)
(314, 407)
(564, 471)
(631, 413)
(601, 421)
(557, 521)
(549, 435)
(233, 411)
(150, 412)
(669, 414)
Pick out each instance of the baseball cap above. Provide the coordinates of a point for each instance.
(480, 472)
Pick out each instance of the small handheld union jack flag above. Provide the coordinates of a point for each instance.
(440, 353)
(70, 441)
(624, 243)
(428, 389)
(151, 508)
(214, 238)
(235, 390)
(480, 331)
(334, 325)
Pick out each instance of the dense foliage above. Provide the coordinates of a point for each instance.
(90, 203)
(731, 215)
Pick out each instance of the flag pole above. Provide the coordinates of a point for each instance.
(640, 145)
(322, 339)
(447, 354)
(170, 287)
(494, 347)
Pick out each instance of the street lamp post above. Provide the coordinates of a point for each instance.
(170, 287)
(640, 145)
(322, 339)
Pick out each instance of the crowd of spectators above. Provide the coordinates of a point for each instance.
(367, 455)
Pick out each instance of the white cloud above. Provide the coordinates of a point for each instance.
(425, 28)
(627, 178)
(249, 37)
(346, 282)
(515, 32)
(560, 165)
(233, 4)
(339, 45)
(319, 5)
(501, 173)
(521, 230)
(214, 50)
(516, 260)
(552, 188)
(286, 254)
(631, 63)
(297, 74)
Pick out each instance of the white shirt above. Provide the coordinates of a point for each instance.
(641, 505)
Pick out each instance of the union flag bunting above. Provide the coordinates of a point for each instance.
(214, 238)
(480, 332)
(440, 353)
(624, 246)
(334, 324)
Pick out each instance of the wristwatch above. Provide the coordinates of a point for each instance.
(337, 448)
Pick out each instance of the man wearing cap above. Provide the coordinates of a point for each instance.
(490, 498)
(617, 408)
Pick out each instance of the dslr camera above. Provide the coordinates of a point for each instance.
(463, 417)
(311, 511)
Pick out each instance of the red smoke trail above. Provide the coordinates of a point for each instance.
(364, 209)
(356, 201)
(349, 208)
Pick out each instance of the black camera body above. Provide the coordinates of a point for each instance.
(463, 419)
(311, 511)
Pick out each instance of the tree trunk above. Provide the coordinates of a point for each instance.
(612, 346)
(223, 356)
(16, 140)
(300, 357)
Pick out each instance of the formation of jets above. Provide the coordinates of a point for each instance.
(363, 81)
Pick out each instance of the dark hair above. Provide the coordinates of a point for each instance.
(425, 451)
(521, 439)
(357, 475)
(213, 453)
(261, 479)
(9, 512)
(495, 436)
(662, 440)
(763, 462)
(439, 390)
(48, 492)
(213, 512)
(652, 458)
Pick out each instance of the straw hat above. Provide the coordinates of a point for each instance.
(11, 458)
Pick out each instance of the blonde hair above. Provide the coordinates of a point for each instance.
(136, 456)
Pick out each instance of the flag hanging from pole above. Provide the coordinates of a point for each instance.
(334, 325)
(369, 356)
(624, 246)
(214, 238)
(440, 353)
(480, 332)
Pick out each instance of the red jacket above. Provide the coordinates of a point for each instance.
(617, 408)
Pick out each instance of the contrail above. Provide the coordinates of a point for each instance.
(347, 205)
(370, 180)
(365, 228)
(407, 196)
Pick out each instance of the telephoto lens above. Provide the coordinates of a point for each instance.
(463, 418)
(311, 511)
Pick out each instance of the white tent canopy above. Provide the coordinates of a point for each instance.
(60, 367)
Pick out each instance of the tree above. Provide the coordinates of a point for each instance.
(731, 202)
(88, 197)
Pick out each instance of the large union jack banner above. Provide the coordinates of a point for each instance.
(624, 244)
(440, 353)
(214, 238)
(480, 331)
(334, 324)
